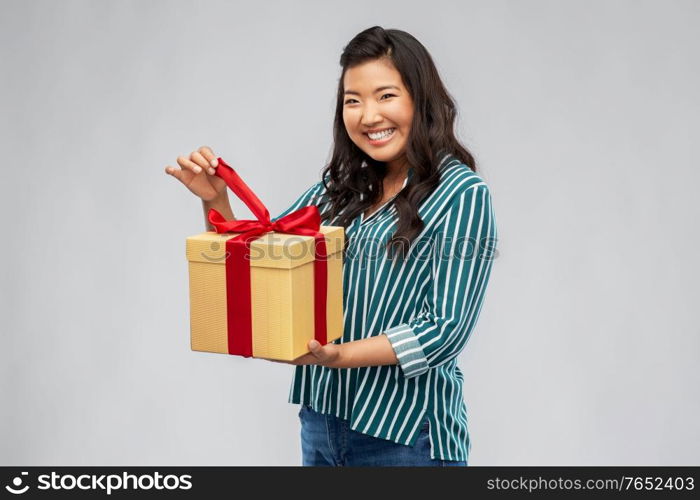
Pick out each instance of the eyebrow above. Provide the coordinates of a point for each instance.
(375, 90)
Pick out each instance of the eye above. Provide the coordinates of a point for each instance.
(348, 101)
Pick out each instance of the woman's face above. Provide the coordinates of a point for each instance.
(368, 106)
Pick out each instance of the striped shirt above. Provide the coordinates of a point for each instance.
(427, 306)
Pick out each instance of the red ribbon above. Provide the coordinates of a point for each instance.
(306, 222)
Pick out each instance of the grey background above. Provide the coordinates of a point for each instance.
(583, 117)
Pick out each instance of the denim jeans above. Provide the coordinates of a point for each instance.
(328, 441)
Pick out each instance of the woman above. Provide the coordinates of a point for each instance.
(420, 240)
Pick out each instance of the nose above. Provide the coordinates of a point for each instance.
(371, 116)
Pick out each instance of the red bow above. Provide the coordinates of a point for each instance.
(306, 222)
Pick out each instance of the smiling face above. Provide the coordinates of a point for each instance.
(376, 100)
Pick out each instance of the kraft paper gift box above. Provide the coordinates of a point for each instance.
(261, 289)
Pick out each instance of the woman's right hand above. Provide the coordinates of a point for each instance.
(197, 174)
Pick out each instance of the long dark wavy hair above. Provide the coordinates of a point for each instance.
(432, 133)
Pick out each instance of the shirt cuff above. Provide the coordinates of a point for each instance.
(408, 350)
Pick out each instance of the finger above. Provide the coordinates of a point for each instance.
(201, 161)
(209, 155)
(316, 349)
(188, 165)
(175, 172)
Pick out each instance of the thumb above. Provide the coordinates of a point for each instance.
(314, 345)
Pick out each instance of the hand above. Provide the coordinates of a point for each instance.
(197, 174)
(327, 355)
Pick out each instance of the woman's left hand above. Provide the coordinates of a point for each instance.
(325, 355)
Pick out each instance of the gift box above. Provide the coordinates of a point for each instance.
(262, 289)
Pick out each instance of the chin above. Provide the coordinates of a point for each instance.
(384, 156)
(381, 154)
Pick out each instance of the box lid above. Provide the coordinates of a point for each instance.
(273, 249)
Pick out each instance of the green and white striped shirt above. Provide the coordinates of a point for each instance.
(427, 306)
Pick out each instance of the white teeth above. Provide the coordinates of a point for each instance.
(381, 135)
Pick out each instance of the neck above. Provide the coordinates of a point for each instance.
(396, 169)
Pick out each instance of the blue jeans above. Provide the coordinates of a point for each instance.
(328, 441)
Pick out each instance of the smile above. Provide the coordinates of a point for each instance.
(381, 138)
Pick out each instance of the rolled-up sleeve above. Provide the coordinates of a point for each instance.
(465, 245)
